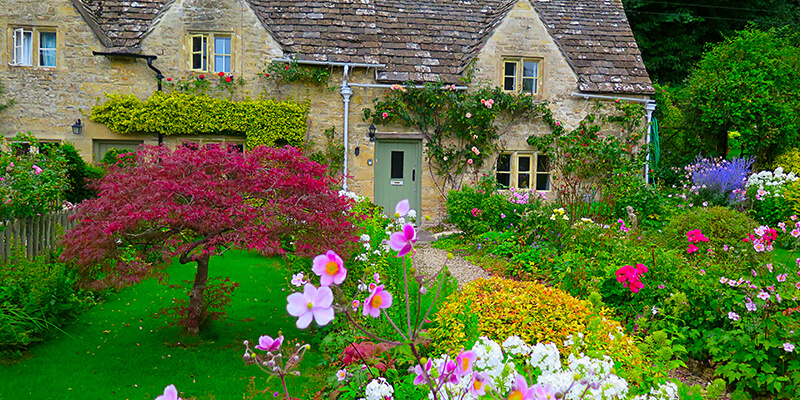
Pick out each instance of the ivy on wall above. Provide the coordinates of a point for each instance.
(263, 122)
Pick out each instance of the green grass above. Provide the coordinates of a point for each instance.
(118, 350)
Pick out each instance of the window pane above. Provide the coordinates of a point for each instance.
(47, 49)
(197, 44)
(509, 83)
(529, 85)
(510, 69)
(524, 181)
(530, 69)
(504, 163)
(197, 61)
(397, 165)
(542, 163)
(222, 45)
(504, 179)
(222, 64)
(27, 48)
(47, 40)
(524, 164)
(543, 182)
(47, 58)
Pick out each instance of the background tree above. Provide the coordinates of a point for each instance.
(673, 35)
(79, 173)
(749, 84)
(194, 203)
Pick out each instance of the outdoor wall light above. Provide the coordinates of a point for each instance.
(357, 150)
(77, 127)
(371, 132)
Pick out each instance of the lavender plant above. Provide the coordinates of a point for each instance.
(717, 181)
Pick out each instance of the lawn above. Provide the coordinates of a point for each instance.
(119, 350)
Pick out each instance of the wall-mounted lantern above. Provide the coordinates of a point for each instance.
(371, 132)
(77, 127)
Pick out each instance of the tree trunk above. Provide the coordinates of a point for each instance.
(196, 296)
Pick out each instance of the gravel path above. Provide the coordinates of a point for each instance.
(430, 260)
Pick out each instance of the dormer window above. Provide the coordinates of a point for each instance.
(211, 53)
(521, 75)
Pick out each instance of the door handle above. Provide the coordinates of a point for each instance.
(413, 175)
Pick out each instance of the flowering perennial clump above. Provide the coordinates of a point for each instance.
(694, 237)
(629, 277)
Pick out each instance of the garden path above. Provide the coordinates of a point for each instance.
(429, 260)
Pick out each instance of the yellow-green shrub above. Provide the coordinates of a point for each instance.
(537, 314)
(264, 122)
(789, 161)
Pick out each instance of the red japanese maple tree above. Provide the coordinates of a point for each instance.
(194, 203)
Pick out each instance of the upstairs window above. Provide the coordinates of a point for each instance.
(525, 171)
(34, 46)
(211, 53)
(521, 75)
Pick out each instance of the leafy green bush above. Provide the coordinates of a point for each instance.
(721, 225)
(36, 297)
(113, 156)
(78, 173)
(483, 208)
(789, 161)
(264, 122)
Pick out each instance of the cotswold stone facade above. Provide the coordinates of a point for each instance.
(580, 48)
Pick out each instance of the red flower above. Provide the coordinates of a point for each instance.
(287, 66)
(169, 79)
(221, 73)
(266, 75)
(228, 79)
(201, 76)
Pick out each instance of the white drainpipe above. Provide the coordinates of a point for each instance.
(649, 107)
(346, 93)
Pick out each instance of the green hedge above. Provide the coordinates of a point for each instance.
(264, 122)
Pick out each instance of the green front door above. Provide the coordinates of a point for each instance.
(398, 173)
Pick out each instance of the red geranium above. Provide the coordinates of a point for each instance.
(221, 73)
(228, 79)
(201, 76)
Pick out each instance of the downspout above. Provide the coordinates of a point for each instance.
(649, 107)
(346, 92)
(159, 77)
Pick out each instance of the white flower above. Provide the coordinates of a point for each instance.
(516, 346)
(379, 389)
(365, 238)
(298, 279)
(412, 214)
(546, 357)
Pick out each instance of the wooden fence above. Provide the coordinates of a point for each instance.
(37, 234)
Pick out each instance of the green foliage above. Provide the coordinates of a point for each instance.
(36, 297)
(114, 156)
(789, 161)
(461, 128)
(721, 225)
(201, 84)
(749, 84)
(537, 314)
(331, 154)
(293, 72)
(78, 175)
(592, 165)
(264, 122)
(30, 183)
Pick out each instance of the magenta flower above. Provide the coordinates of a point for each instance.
(465, 360)
(377, 300)
(402, 208)
(312, 303)
(36, 169)
(420, 378)
(447, 372)
(170, 393)
(691, 249)
(330, 268)
(403, 242)
(267, 343)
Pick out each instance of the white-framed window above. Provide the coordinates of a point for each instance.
(34, 46)
(524, 171)
(211, 52)
(521, 75)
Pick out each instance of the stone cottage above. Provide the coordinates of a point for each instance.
(60, 57)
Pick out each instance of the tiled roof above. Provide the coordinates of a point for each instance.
(597, 40)
(417, 40)
(121, 24)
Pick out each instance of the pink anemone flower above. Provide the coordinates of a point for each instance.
(330, 268)
(403, 242)
(377, 300)
(170, 393)
(267, 343)
(312, 303)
